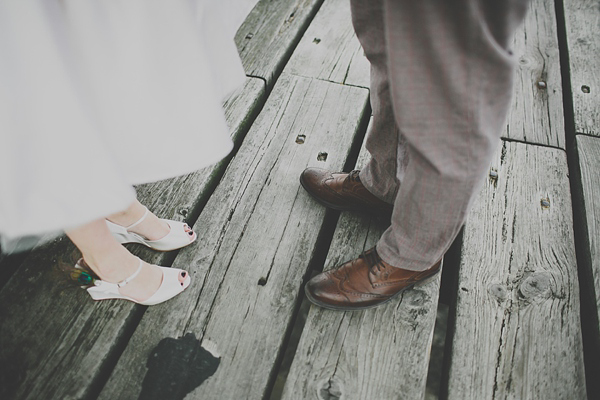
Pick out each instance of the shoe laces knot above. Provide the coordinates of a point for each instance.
(354, 176)
(374, 262)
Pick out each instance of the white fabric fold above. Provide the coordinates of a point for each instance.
(98, 95)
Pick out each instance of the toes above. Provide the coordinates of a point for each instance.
(182, 277)
(190, 232)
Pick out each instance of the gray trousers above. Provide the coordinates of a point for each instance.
(441, 85)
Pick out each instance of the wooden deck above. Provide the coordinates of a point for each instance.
(521, 283)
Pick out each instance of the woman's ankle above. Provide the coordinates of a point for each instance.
(106, 257)
(112, 266)
(129, 216)
(146, 223)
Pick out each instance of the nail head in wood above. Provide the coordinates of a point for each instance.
(545, 203)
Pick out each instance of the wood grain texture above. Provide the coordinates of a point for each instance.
(582, 19)
(588, 152)
(270, 34)
(517, 331)
(330, 50)
(53, 337)
(536, 114)
(381, 353)
(256, 237)
(54, 340)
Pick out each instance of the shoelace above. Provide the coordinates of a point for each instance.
(353, 176)
(373, 260)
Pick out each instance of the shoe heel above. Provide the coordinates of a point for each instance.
(121, 238)
(431, 277)
(96, 294)
(117, 231)
(120, 233)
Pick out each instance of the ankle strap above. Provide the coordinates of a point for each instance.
(132, 277)
(139, 220)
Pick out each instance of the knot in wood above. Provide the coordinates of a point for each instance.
(415, 303)
(498, 291)
(535, 285)
(415, 298)
(330, 390)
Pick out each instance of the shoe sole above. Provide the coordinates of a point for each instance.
(360, 308)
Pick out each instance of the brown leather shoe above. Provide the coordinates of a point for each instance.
(363, 283)
(342, 191)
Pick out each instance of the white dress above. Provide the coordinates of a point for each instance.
(98, 95)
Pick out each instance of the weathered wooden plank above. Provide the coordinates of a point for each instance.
(588, 155)
(270, 33)
(536, 114)
(582, 19)
(517, 331)
(330, 50)
(256, 237)
(54, 342)
(381, 353)
(9, 262)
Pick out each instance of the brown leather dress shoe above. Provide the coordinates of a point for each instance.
(342, 191)
(363, 283)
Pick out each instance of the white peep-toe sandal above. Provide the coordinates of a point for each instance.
(169, 287)
(175, 239)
